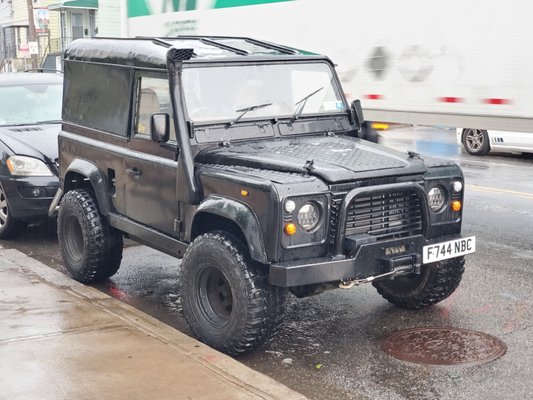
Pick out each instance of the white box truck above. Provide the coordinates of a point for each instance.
(460, 63)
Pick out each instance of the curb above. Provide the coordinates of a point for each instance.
(224, 366)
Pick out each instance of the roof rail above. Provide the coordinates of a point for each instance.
(261, 43)
(209, 40)
(281, 49)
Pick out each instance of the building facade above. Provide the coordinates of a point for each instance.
(89, 18)
(57, 24)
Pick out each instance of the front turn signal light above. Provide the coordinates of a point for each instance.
(456, 205)
(290, 229)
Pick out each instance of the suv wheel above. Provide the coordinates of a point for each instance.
(226, 298)
(91, 249)
(9, 226)
(436, 282)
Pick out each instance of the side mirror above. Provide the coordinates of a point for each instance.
(160, 127)
(356, 114)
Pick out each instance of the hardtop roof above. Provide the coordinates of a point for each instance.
(151, 52)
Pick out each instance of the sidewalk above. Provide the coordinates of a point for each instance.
(60, 339)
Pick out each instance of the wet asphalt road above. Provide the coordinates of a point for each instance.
(329, 347)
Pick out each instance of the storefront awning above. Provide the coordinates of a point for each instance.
(69, 4)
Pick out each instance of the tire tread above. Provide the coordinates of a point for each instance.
(266, 303)
(440, 282)
(104, 242)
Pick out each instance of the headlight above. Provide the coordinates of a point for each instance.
(309, 216)
(457, 186)
(436, 198)
(290, 206)
(27, 166)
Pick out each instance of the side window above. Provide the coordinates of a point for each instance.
(98, 96)
(154, 97)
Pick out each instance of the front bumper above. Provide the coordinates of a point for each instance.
(29, 198)
(369, 260)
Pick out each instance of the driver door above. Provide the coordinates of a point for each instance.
(150, 167)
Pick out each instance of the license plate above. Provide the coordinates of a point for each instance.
(447, 250)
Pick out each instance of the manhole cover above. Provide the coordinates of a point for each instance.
(444, 346)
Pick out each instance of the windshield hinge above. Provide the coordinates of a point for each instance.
(309, 165)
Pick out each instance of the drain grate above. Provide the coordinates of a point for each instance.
(444, 346)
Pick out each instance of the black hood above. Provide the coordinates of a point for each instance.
(39, 141)
(334, 159)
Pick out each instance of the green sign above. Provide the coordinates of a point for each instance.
(139, 8)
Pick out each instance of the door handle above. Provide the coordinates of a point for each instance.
(135, 172)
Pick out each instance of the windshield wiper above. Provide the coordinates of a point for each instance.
(303, 102)
(246, 110)
(51, 121)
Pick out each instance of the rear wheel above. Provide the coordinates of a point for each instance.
(476, 141)
(226, 298)
(90, 247)
(436, 282)
(9, 226)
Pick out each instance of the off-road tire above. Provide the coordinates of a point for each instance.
(9, 226)
(476, 141)
(226, 298)
(436, 282)
(91, 249)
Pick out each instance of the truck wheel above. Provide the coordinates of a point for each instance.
(436, 282)
(226, 298)
(476, 141)
(9, 226)
(91, 249)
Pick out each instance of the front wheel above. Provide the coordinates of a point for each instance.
(226, 298)
(436, 282)
(90, 247)
(476, 141)
(9, 226)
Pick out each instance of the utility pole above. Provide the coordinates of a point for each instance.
(32, 33)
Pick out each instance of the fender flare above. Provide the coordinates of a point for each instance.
(98, 182)
(243, 216)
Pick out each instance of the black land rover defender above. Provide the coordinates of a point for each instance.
(242, 157)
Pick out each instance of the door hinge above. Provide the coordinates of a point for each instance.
(177, 225)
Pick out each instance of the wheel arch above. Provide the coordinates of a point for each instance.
(218, 213)
(85, 174)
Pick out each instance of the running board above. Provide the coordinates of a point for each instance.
(148, 236)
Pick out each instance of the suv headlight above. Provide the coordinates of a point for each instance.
(436, 198)
(27, 166)
(309, 216)
(304, 220)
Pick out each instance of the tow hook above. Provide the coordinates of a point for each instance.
(350, 283)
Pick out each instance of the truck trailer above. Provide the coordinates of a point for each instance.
(461, 64)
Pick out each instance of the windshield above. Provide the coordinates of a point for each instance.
(30, 103)
(222, 93)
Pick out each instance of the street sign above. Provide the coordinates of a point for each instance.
(33, 48)
(24, 50)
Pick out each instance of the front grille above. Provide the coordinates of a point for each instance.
(385, 216)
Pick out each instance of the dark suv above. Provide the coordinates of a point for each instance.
(242, 157)
(30, 111)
